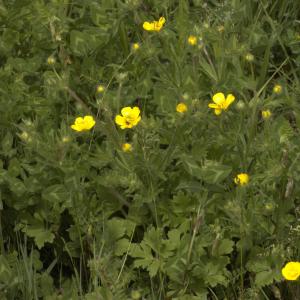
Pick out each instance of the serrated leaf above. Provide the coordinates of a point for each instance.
(57, 194)
(191, 166)
(122, 246)
(225, 247)
(40, 234)
(214, 172)
(115, 229)
(264, 278)
(211, 172)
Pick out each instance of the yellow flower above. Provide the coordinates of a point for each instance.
(220, 103)
(83, 124)
(129, 117)
(100, 88)
(135, 46)
(291, 270)
(126, 147)
(181, 108)
(155, 25)
(51, 60)
(277, 89)
(266, 114)
(241, 179)
(192, 40)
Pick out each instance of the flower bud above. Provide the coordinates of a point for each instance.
(66, 139)
(220, 28)
(135, 46)
(249, 57)
(192, 40)
(269, 206)
(240, 105)
(100, 88)
(277, 89)
(51, 60)
(266, 114)
(136, 295)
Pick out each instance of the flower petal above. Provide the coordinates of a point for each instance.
(135, 121)
(89, 122)
(79, 120)
(162, 21)
(229, 99)
(135, 112)
(120, 121)
(126, 111)
(76, 127)
(213, 105)
(219, 98)
(148, 26)
(218, 111)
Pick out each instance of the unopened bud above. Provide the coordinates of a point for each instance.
(249, 57)
(51, 60)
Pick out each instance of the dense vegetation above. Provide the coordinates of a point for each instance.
(189, 202)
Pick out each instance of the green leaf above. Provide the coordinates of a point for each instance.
(82, 42)
(121, 247)
(14, 167)
(115, 229)
(211, 172)
(40, 234)
(214, 172)
(191, 166)
(57, 194)
(6, 144)
(225, 247)
(264, 278)
(17, 187)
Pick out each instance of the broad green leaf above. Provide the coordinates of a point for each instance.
(122, 246)
(40, 234)
(115, 229)
(57, 194)
(264, 278)
(214, 172)
(225, 246)
(211, 172)
(191, 166)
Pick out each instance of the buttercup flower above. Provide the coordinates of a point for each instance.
(266, 114)
(277, 89)
(291, 271)
(135, 46)
(192, 40)
(126, 147)
(100, 88)
(241, 179)
(83, 124)
(129, 117)
(155, 25)
(181, 108)
(220, 103)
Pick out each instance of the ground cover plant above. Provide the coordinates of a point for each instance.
(149, 149)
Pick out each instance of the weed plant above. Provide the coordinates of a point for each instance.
(167, 189)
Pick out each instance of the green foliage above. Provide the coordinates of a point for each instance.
(82, 219)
